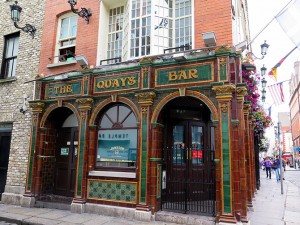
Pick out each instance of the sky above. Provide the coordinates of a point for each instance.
(261, 12)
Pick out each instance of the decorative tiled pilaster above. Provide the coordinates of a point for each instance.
(247, 137)
(223, 75)
(84, 105)
(146, 71)
(37, 109)
(145, 100)
(252, 155)
(241, 91)
(224, 96)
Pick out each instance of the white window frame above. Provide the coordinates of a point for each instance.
(58, 40)
(106, 5)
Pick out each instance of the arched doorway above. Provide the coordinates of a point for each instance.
(60, 155)
(188, 152)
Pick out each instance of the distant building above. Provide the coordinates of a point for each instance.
(295, 108)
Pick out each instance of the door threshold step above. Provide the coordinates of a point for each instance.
(52, 205)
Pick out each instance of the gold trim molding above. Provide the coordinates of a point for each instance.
(37, 107)
(85, 103)
(223, 48)
(145, 98)
(224, 92)
(241, 93)
(224, 107)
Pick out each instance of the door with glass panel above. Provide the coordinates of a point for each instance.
(189, 172)
(66, 158)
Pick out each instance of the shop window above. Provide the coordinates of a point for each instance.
(9, 61)
(117, 138)
(66, 43)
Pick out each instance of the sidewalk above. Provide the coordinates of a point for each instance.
(270, 207)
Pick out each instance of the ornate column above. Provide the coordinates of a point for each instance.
(84, 105)
(241, 92)
(32, 168)
(247, 138)
(145, 100)
(155, 161)
(224, 97)
(252, 157)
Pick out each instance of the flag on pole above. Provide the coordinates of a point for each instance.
(276, 92)
(273, 72)
(288, 19)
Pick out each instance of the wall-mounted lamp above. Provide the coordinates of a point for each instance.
(179, 56)
(264, 48)
(23, 108)
(84, 12)
(263, 97)
(263, 83)
(209, 39)
(61, 77)
(263, 71)
(81, 60)
(15, 16)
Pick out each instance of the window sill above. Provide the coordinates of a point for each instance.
(7, 80)
(112, 174)
(61, 64)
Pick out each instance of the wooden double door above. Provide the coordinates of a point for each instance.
(189, 172)
(66, 161)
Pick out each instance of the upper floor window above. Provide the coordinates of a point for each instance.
(66, 39)
(137, 28)
(115, 33)
(9, 61)
(117, 138)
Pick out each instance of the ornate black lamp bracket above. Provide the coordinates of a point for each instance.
(84, 12)
(15, 16)
(27, 29)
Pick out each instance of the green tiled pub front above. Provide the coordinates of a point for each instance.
(146, 88)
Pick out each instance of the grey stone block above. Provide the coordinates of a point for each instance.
(142, 215)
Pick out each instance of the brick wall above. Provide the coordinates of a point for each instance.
(213, 16)
(11, 92)
(86, 39)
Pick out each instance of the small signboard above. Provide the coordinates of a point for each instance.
(64, 151)
(197, 154)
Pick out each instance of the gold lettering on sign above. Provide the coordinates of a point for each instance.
(112, 83)
(183, 75)
(61, 89)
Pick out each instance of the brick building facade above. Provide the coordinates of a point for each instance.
(14, 90)
(133, 109)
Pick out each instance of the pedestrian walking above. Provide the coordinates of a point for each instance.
(267, 164)
(276, 166)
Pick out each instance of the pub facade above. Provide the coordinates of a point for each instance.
(155, 135)
(134, 130)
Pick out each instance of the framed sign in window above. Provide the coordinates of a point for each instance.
(117, 145)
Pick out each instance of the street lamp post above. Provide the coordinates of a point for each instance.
(277, 135)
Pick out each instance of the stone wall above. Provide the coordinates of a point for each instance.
(12, 91)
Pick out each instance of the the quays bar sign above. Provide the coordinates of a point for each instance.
(63, 89)
(115, 83)
(184, 74)
(188, 74)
